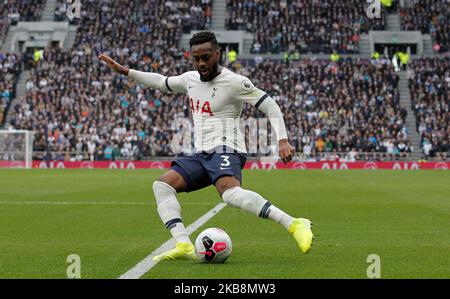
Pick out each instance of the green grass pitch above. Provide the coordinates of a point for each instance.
(109, 218)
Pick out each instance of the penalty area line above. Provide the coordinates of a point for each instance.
(146, 264)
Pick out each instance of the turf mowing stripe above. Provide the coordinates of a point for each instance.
(146, 264)
(91, 203)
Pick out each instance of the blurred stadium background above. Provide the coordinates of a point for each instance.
(329, 66)
(352, 88)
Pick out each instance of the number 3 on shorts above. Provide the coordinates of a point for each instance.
(225, 162)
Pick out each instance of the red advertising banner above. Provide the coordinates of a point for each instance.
(103, 164)
(395, 165)
(12, 164)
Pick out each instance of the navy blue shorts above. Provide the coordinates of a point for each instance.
(200, 170)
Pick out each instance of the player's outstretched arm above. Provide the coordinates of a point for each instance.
(247, 92)
(285, 150)
(117, 67)
(152, 80)
(273, 112)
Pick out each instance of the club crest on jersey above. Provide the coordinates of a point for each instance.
(196, 109)
(246, 85)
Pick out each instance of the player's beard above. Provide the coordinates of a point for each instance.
(211, 73)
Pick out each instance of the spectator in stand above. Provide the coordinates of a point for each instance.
(335, 106)
(189, 14)
(429, 84)
(430, 17)
(306, 26)
(10, 67)
(13, 11)
(66, 103)
(73, 102)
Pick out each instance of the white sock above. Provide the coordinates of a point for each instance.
(169, 211)
(254, 203)
(279, 216)
(179, 233)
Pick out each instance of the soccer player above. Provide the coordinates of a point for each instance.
(216, 94)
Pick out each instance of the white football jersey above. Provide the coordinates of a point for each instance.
(216, 107)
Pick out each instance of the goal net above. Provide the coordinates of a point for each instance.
(16, 149)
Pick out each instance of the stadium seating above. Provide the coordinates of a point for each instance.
(306, 26)
(189, 14)
(431, 17)
(10, 67)
(330, 108)
(347, 110)
(429, 85)
(72, 99)
(13, 11)
(366, 117)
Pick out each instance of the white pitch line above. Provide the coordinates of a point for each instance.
(72, 203)
(146, 264)
(92, 203)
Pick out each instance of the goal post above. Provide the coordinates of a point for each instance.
(16, 149)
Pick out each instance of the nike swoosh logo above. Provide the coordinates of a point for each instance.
(190, 87)
(221, 168)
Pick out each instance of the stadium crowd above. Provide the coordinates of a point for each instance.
(304, 26)
(10, 67)
(13, 11)
(75, 104)
(347, 107)
(330, 108)
(347, 110)
(187, 14)
(429, 85)
(430, 17)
